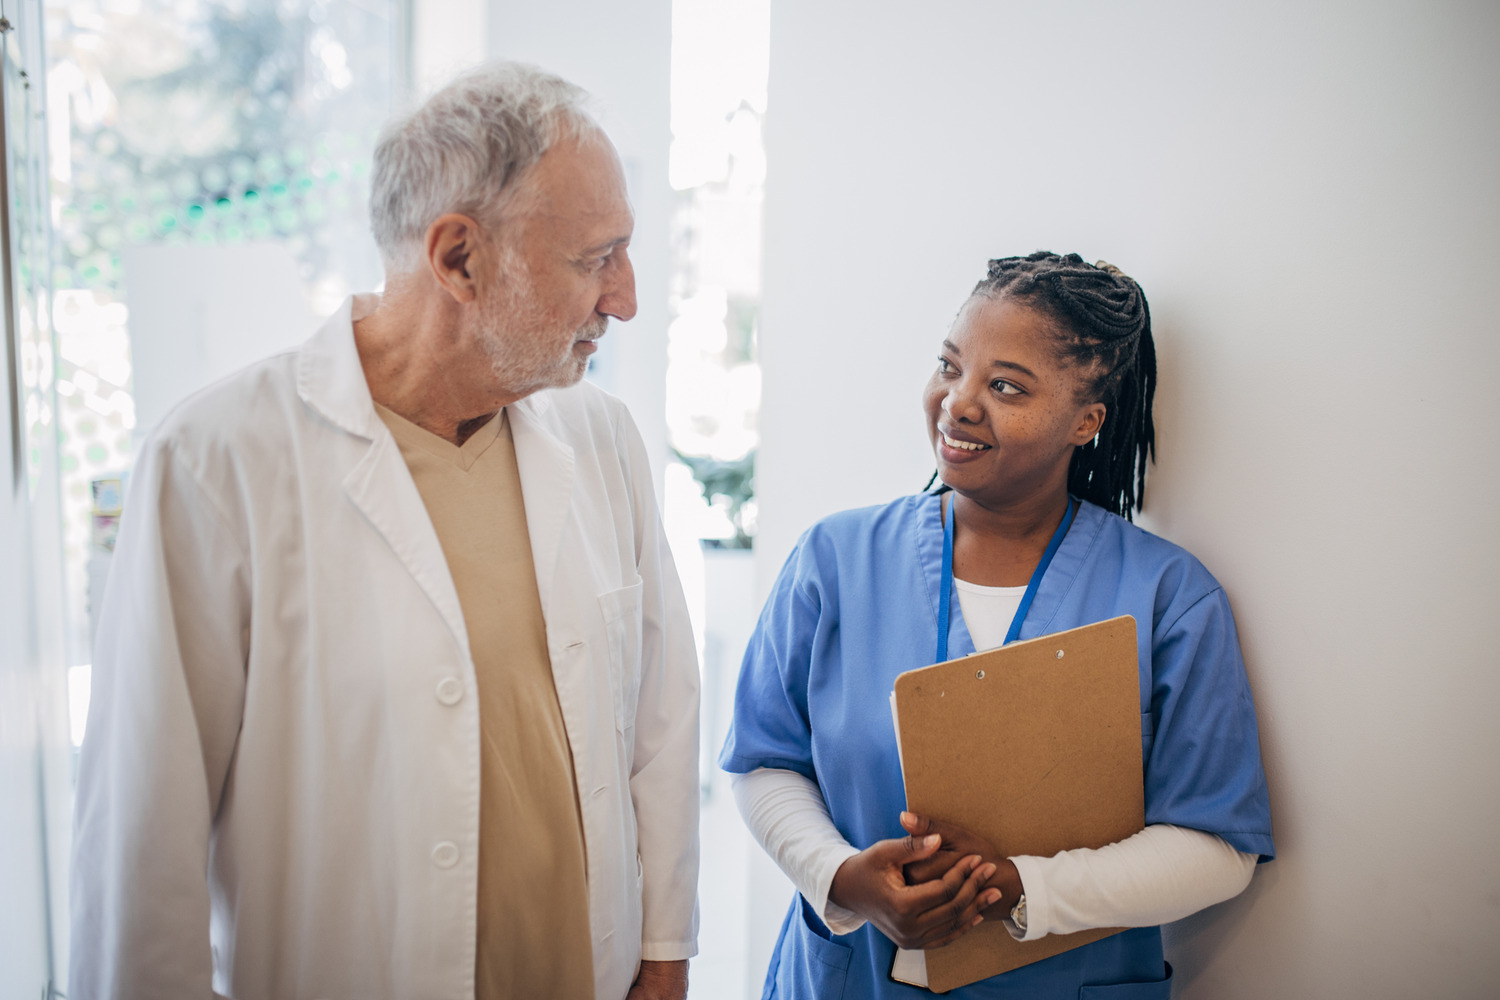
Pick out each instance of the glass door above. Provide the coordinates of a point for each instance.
(35, 772)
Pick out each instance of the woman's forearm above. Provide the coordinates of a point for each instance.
(788, 817)
(1161, 874)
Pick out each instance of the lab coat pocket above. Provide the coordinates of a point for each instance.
(622, 630)
(1161, 989)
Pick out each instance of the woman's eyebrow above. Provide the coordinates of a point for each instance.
(1012, 366)
(952, 348)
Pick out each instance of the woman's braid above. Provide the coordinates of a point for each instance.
(1104, 327)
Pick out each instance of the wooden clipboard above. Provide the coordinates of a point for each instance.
(1035, 746)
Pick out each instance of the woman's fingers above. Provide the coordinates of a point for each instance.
(868, 882)
(929, 869)
(943, 910)
(957, 842)
(962, 911)
(901, 851)
(959, 880)
(918, 826)
(914, 916)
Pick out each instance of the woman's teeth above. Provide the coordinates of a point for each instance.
(963, 445)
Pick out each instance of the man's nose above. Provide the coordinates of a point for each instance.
(618, 299)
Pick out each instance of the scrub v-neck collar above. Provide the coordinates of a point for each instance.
(1054, 587)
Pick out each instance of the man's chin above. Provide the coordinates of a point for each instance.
(572, 372)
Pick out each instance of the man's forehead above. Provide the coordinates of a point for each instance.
(581, 180)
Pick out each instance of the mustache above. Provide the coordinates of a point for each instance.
(594, 328)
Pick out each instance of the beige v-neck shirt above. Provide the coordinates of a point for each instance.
(533, 887)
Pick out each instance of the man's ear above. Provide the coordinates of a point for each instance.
(1090, 419)
(453, 246)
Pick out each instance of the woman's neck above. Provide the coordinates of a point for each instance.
(1000, 546)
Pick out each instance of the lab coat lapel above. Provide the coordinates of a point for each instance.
(331, 380)
(380, 485)
(546, 466)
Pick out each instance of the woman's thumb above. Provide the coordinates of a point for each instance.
(917, 825)
(918, 848)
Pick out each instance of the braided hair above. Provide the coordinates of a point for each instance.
(1104, 327)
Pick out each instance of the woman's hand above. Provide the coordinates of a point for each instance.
(930, 914)
(960, 843)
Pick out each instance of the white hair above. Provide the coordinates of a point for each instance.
(466, 150)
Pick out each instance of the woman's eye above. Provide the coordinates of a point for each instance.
(944, 367)
(1005, 388)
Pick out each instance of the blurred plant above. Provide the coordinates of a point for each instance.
(731, 483)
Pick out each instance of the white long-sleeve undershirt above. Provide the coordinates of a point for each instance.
(1161, 874)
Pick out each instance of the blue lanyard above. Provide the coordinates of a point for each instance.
(945, 595)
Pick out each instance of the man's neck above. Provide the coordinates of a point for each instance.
(419, 365)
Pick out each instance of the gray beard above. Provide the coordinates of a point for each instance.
(526, 348)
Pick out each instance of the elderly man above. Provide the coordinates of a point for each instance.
(396, 693)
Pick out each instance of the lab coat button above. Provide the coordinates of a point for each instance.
(450, 691)
(445, 855)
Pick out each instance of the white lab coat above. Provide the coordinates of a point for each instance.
(284, 701)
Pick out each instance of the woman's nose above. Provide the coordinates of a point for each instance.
(961, 405)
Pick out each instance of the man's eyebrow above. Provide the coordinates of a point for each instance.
(607, 245)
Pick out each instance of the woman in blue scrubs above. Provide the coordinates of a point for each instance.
(1039, 412)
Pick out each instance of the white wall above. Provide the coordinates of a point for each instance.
(1309, 195)
(447, 36)
(201, 313)
(621, 54)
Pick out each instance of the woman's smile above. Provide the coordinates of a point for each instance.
(958, 446)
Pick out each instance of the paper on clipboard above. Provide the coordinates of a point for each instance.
(1036, 747)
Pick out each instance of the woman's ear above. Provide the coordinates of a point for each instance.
(452, 244)
(1090, 419)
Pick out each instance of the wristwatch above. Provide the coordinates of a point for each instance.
(1018, 914)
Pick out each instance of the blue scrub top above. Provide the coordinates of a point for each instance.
(857, 604)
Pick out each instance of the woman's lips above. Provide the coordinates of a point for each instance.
(955, 450)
